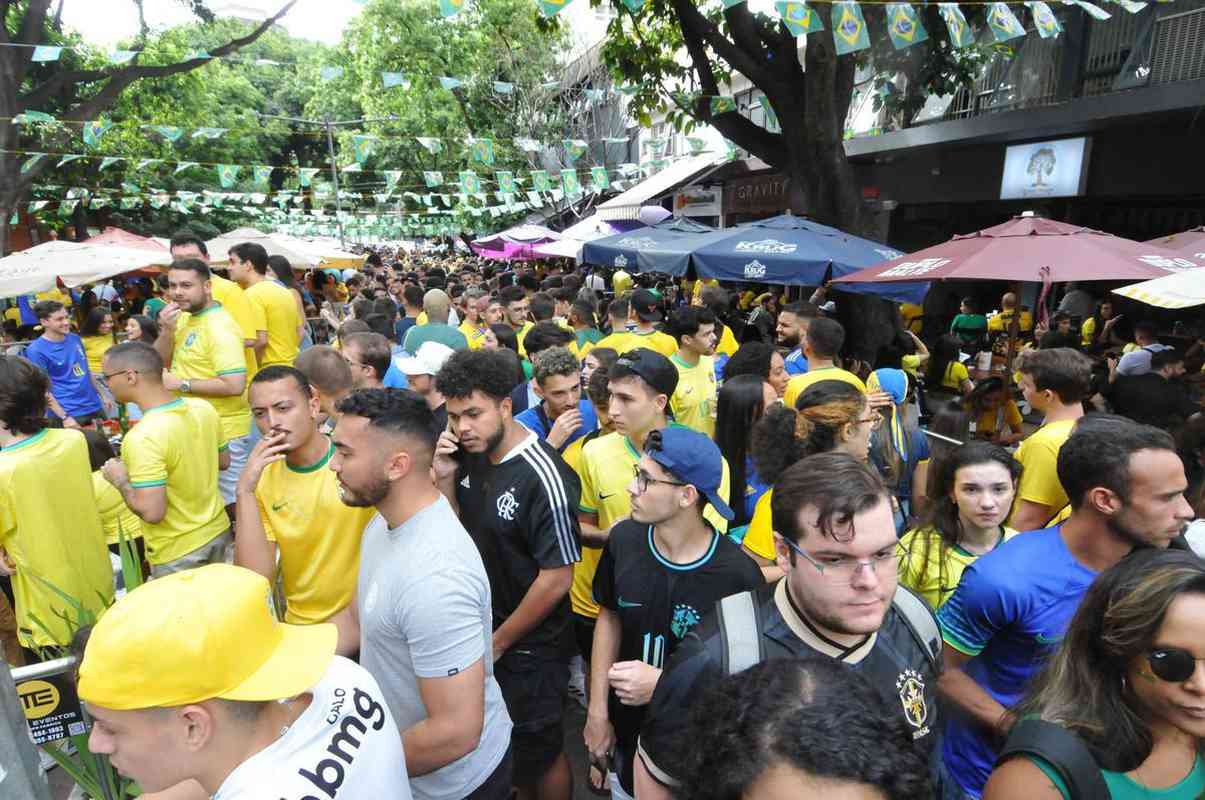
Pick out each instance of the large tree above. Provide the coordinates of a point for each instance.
(73, 89)
(680, 55)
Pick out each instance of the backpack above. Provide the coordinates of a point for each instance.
(1065, 752)
(741, 625)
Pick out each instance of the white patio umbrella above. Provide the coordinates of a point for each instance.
(38, 268)
(300, 253)
(1178, 290)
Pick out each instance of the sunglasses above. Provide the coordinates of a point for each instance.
(1172, 664)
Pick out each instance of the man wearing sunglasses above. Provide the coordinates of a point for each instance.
(660, 572)
(835, 541)
(1126, 486)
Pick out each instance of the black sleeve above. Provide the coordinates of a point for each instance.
(691, 670)
(604, 576)
(554, 536)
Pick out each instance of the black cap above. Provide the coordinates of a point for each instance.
(653, 368)
(647, 305)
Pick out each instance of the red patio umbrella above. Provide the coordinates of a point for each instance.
(1029, 248)
(1189, 243)
(116, 237)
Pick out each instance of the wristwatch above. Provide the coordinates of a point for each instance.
(186, 386)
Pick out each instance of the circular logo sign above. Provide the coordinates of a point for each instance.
(38, 698)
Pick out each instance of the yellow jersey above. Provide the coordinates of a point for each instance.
(696, 294)
(474, 335)
(799, 383)
(1039, 454)
(95, 348)
(694, 400)
(956, 375)
(13, 314)
(663, 343)
(317, 535)
(606, 468)
(54, 294)
(520, 335)
(620, 341)
(927, 570)
(176, 446)
(52, 533)
(116, 518)
(989, 421)
(759, 538)
(230, 296)
(912, 316)
(1087, 330)
(208, 345)
(727, 344)
(621, 281)
(279, 310)
(1004, 319)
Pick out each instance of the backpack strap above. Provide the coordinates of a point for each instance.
(921, 623)
(740, 632)
(1065, 752)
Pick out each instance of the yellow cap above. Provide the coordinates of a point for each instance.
(201, 634)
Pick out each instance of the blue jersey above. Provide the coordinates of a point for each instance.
(795, 362)
(394, 378)
(1009, 613)
(536, 419)
(70, 380)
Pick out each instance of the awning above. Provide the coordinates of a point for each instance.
(627, 205)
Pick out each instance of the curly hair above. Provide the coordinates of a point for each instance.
(489, 371)
(769, 715)
(783, 435)
(23, 388)
(554, 361)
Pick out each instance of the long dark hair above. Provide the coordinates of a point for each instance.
(945, 350)
(283, 270)
(1083, 686)
(783, 435)
(941, 515)
(979, 398)
(741, 403)
(92, 322)
(149, 328)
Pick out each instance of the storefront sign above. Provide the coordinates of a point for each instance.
(1045, 169)
(52, 708)
(698, 201)
(756, 195)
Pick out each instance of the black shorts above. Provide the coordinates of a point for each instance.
(583, 631)
(535, 688)
(84, 420)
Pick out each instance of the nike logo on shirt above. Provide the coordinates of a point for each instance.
(279, 506)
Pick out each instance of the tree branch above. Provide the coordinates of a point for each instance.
(32, 26)
(694, 23)
(120, 79)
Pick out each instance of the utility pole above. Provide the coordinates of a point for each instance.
(329, 126)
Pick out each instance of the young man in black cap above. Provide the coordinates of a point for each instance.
(646, 310)
(516, 497)
(661, 571)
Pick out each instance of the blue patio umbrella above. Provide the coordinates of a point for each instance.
(792, 250)
(661, 248)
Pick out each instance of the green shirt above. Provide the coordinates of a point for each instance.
(969, 327)
(434, 332)
(588, 336)
(1122, 787)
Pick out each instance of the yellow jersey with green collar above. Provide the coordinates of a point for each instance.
(208, 345)
(620, 341)
(230, 296)
(176, 446)
(606, 469)
(663, 343)
(52, 532)
(474, 335)
(694, 400)
(317, 535)
(116, 518)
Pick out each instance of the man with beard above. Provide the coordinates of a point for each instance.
(515, 306)
(562, 416)
(791, 330)
(694, 399)
(421, 616)
(169, 465)
(1126, 486)
(202, 347)
(835, 540)
(288, 503)
(517, 498)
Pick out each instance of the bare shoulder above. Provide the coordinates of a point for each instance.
(1020, 779)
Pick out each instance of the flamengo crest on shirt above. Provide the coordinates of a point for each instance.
(507, 504)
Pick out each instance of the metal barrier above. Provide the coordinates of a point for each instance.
(20, 773)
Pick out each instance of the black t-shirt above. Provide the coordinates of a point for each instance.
(522, 515)
(897, 665)
(658, 603)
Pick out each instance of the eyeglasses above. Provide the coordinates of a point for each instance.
(1172, 664)
(643, 479)
(874, 420)
(842, 571)
(107, 375)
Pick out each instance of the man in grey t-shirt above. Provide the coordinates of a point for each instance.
(422, 619)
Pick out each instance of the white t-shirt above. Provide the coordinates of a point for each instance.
(345, 746)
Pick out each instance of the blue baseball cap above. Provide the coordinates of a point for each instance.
(692, 458)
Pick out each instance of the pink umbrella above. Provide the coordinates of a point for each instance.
(514, 244)
(116, 237)
(1029, 248)
(1189, 243)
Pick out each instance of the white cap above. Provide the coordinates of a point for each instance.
(429, 359)
(349, 273)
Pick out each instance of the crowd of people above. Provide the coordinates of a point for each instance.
(394, 520)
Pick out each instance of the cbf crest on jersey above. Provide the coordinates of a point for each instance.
(911, 687)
